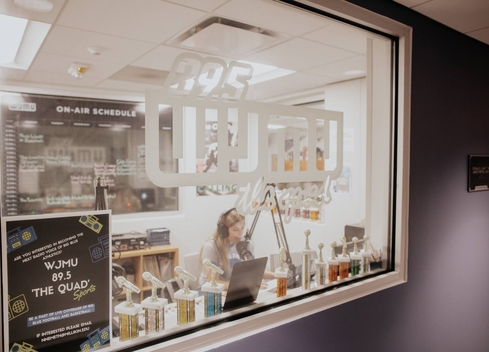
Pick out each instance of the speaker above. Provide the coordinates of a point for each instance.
(222, 229)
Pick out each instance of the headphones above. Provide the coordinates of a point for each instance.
(222, 229)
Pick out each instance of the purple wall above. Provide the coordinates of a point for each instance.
(444, 306)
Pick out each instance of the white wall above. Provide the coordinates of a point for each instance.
(198, 215)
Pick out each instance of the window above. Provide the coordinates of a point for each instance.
(239, 141)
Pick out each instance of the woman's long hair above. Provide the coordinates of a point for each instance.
(230, 218)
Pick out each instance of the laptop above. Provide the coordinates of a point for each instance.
(245, 283)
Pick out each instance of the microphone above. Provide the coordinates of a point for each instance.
(122, 281)
(243, 251)
(148, 277)
(180, 271)
(214, 269)
(207, 264)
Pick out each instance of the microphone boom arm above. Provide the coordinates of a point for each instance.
(279, 232)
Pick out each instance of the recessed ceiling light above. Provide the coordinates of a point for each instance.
(354, 72)
(35, 5)
(275, 127)
(15, 27)
(22, 43)
(225, 37)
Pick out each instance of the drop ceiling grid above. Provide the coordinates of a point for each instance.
(106, 23)
(463, 16)
(46, 77)
(74, 42)
(9, 8)
(275, 17)
(160, 58)
(58, 64)
(340, 36)
(337, 69)
(151, 21)
(300, 54)
(207, 5)
(285, 85)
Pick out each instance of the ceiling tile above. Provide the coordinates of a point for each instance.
(141, 75)
(410, 3)
(11, 73)
(153, 21)
(463, 16)
(162, 57)
(285, 85)
(341, 36)
(46, 77)
(299, 54)
(60, 64)
(74, 42)
(482, 35)
(337, 69)
(126, 86)
(272, 16)
(207, 5)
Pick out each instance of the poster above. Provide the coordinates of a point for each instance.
(478, 173)
(57, 288)
(210, 163)
(56, 148)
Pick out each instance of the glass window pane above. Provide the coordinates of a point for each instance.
(241, 146)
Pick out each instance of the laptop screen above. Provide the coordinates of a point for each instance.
(245, 283)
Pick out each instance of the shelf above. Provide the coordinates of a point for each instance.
(136, 258)
(165, 248)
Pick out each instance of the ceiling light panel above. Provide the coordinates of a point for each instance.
(273, 16)
(151, 21)
(227, 40)
(25, 43)
(9, 44)
(338, 69)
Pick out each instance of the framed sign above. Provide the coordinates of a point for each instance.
(478, 178)
(56, 280)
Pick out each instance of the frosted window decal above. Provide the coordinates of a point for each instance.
(199, 89)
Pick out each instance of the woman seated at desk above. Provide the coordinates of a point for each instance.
(220, 247)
